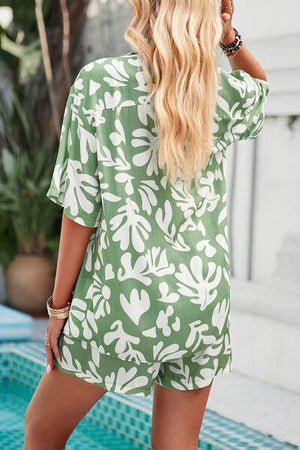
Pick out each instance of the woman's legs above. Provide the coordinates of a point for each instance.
(177, 417)
(61, 400)
(57, 406)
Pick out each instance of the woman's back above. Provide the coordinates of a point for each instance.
(155, 281)
(146, 273)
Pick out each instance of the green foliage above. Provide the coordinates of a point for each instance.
(26, 165)
(8, 240)
(24, 14)
(29, 56)
(19, 43)
(24, 181)
(19, 128)
(30, 222)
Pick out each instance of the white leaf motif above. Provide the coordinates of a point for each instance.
(136, 306)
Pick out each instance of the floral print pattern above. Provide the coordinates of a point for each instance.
(154, 287)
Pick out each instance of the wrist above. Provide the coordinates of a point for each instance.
(231, 48)
(228, 37)
(59, 302)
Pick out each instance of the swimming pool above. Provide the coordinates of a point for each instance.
(116, 422)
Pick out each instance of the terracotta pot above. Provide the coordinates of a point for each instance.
(29, 281)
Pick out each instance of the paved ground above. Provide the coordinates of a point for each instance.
(258, 405)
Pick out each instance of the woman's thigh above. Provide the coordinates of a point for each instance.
(177, 417)
(58, 404)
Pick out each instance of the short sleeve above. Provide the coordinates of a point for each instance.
(75, 182)
(244, 100)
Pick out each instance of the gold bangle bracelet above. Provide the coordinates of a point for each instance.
(57, 313)
(59, 316)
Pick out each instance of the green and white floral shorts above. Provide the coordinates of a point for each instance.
(126, 377)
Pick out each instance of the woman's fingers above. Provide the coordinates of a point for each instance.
(227, 10)
(54, 330)
(227, 6)
(54, 346)
(226, 17)
(49, 353)
(49, 357)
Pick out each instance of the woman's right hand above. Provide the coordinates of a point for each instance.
(227, 10)
(53, 332)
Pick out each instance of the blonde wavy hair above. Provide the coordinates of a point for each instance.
(177, 41)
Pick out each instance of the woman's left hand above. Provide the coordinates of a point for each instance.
(53, 332)
(227, 10)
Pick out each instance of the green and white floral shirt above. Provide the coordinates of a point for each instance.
(155, 281)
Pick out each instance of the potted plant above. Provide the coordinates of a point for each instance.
(30, 218)
(29, 222)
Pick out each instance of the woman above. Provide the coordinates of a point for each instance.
(142, 291)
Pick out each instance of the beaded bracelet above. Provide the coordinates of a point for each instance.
(233, 48)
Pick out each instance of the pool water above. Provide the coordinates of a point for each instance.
(116, 422)
(88, 435)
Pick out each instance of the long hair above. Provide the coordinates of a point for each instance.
(177, 41)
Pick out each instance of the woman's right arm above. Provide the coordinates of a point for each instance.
(75, 186)
(243, 59)
(73, 242)
(74, 239)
